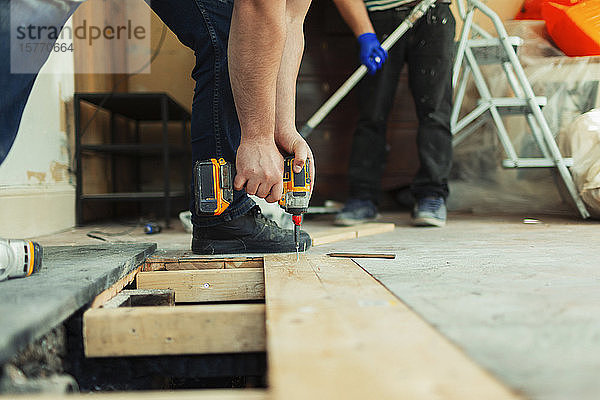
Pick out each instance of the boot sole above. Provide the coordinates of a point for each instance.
(213, 247)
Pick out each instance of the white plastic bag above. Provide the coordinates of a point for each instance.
(581, 139)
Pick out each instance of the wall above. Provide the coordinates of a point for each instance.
(170, 71)
(36, 190)
(506, 10)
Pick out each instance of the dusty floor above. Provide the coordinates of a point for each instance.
(521, 297)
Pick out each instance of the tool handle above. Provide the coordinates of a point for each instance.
(360, 72)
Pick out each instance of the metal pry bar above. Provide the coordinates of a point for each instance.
(417, 12)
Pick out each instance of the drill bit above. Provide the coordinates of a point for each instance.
(297, 241)
(297, 219)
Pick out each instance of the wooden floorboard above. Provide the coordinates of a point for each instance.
(207, 285)
(333, 332)
(339, 234)
(191, 329)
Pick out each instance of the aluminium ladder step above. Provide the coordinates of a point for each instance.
(534, 163)
(490, 51)
(513, 105)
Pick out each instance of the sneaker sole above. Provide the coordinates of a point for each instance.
(424, 221)
(353, 222)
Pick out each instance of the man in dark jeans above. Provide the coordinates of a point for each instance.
(247, 59)
(428, 48)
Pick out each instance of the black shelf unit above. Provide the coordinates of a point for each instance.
(140, 108)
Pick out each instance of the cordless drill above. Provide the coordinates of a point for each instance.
(19, 258)
(296, 195)
(213, 189)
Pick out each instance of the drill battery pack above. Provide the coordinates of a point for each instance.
(296, 187)
(213, 186)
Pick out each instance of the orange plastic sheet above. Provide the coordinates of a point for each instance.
(574, 29)
(532, 9)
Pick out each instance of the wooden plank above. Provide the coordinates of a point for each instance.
(165, 263)
(151, 297)
(189, 265)
(207, 285)
(332, 236)
(374, 229)
(363, 255)
(352, 232)
(248, 263)
(194, 329)
(120, 300)
(115, 289)
(335, 332)
(205, 394)
(221, 264)
(142, 298)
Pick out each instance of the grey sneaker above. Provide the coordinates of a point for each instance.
(356, 212)
(429, 211)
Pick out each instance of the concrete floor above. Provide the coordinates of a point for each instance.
(521, 299)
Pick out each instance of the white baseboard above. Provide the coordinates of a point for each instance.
(30, 211)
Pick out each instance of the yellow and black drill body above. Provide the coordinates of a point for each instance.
(213, 189)
(213, 186)
(296, 194)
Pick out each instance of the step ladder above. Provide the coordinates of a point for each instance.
(478, 47)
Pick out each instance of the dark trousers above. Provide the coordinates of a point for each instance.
(202, 25)
(428, 49)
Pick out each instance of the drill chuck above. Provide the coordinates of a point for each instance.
(19, 258)
(297, 219)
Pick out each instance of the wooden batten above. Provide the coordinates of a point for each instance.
(195, 329)
(182, 263)
(207, 285)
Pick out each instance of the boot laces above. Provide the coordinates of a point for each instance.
(264, 220)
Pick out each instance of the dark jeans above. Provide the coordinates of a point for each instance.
(203, 26)
(428, 48)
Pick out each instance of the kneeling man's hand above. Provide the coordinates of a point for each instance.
(259, 168)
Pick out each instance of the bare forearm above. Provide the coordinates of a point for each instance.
(288, 71)
(356, 16)
(256, 43)
(286, 136)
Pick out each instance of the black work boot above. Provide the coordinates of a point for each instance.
(251, 233)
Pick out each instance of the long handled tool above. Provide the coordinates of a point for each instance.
(417, 12)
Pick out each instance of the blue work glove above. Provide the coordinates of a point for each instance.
(372, 55)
